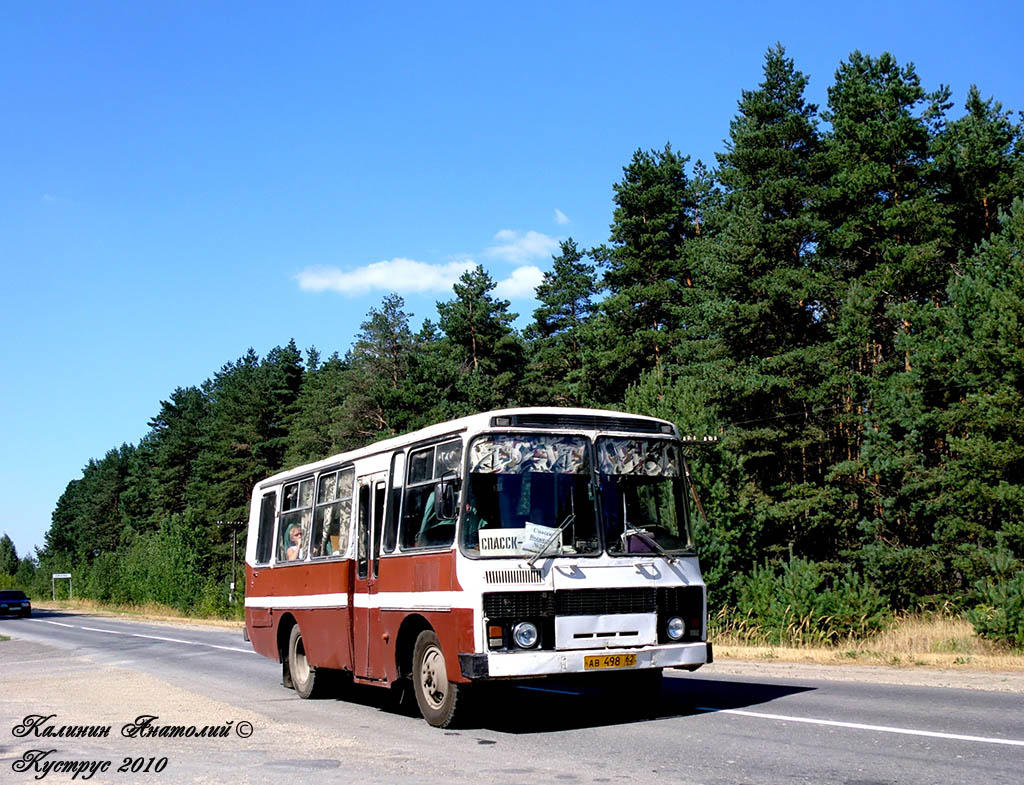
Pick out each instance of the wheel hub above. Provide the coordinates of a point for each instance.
(433, 678)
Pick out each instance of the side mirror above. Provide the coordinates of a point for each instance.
(445, 505)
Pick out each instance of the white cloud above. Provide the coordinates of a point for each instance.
(522, 247)
(522, 283)
(404, 276)
(561, 218)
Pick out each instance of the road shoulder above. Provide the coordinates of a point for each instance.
(993, 681)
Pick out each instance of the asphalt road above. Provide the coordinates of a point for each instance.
(708, 727)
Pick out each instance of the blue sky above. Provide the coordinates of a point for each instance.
(181, 181)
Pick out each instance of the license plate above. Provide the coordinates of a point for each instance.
(609, 661)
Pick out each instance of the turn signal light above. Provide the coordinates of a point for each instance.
(495, 636)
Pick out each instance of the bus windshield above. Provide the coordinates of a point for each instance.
(642, 496)
(529, 495)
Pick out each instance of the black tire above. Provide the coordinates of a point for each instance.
(286, 673)
(304, 679)
(440, 701)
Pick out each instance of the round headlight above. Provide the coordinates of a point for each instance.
(525, 635)
(675, 628)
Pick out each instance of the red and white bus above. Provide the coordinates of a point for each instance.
(512, 544)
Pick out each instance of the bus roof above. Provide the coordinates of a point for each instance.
(530, 418)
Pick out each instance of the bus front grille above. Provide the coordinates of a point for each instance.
(514, 576)
(576, 602)
(519, 604)
(601, 602)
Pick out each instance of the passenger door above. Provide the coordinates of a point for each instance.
(367, 644)
(261, 583)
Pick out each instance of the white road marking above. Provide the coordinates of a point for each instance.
(150, 637)
(861, 726)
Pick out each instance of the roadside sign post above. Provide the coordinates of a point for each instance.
(53, 584)
(234, 549)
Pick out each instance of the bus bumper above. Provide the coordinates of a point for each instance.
(527, 664)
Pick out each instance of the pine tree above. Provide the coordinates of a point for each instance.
(61, 540)
(251, 403)
(767, 294)
(174, 442)
(432, 389)
(319, 427)
(888, 229)
(137, 508)
(557, 336)
(980, 367)
(378, 365)
(89, 518)
(945, 445)
(282, 373)
(479, 335)
(8, 556)
(980, 163)
(645, 268)
(888, 249)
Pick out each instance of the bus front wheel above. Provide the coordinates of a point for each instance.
(304, 676)
(439, 699)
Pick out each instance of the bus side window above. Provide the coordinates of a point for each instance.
(265, 535)
(417, 489)
(420, 526)
(379, 497)
(296, 514)
(333, 512)
(363, 531)
(394, 508)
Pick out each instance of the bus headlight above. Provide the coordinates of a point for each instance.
(675, 628)
(525, 635)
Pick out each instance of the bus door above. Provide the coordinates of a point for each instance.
(261, 581)
(367, 644)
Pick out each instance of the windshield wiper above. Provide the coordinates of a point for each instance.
(632, 531)
(558, 530)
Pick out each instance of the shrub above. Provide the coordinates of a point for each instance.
(999, 615)
(100, 580)
(161, 567)
(798, 602)
(909, 577)
(999, 610)
(213, 600)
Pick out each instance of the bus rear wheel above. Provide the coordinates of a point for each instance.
(439, 700)
(304, 675)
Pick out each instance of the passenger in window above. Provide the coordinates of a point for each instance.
(427, 521)
(434, 531)
(294, 540)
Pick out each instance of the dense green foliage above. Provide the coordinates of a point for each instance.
(8, 556)
(841, 301)
(800, 603)
(999, 609)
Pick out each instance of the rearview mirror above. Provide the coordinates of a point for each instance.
(445, 506)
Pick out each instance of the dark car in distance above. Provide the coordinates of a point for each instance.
(14, 601)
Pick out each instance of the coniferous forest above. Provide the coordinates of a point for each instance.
(838, 297)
